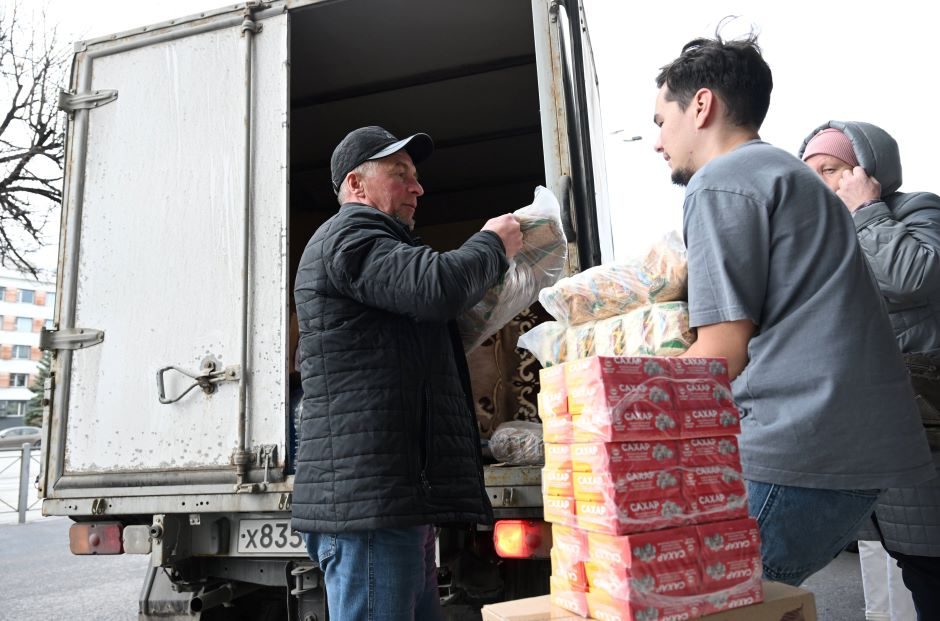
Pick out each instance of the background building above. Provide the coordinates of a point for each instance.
(26, 306)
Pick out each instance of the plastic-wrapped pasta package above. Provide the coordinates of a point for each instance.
(580, 340)
(652, 330)
(666, 330)
(548, 342)
(617, 288)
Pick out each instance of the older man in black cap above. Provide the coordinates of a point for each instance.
(388, 440)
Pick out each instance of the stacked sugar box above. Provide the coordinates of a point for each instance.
(643, 485)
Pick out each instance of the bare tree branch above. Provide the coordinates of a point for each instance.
(32, 66)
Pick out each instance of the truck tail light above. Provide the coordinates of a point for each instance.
(96, 538)
(522, 538)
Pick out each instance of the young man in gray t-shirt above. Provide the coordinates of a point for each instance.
(779, 287)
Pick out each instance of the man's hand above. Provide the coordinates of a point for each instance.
(507, 227)
(856, 187)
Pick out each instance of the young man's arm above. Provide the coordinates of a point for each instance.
(724, 340)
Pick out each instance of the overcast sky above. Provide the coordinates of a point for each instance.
(873, 62)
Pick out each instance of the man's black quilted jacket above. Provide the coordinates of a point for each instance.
(388, 437)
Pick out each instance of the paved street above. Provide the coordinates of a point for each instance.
(40, 579)
(838, 590)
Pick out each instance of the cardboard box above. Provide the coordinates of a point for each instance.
(655, 548)
(630, 423)
(570, 568)
(633, 456)
(645, 583)
(571, 541)
(552, 403)
(568, 597)
(621, 486)
(699, 368)
(709, 421)
(781, 603)
(552, 379)
(557, 482)
(616, 393)
(718, 574)
(627, 517)
(603, 606)
(696, 394)
(747, 594)
(557, 430)
(709, 451)
(559, 510)
(557, 456)
(529, 609)
(633, 368)
(714, 493)
(729, 538)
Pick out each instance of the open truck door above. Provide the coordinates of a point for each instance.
(175, 201)
(572, 131)
(572, 143)
(168, 422)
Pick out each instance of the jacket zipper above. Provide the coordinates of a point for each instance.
(475, 434)
(426, 419)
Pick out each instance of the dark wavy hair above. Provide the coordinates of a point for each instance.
(734, 70)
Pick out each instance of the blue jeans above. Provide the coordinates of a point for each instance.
(373, 575)
(803, 529)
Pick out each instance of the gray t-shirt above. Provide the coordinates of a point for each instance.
(825, 396)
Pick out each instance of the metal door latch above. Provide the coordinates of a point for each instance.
(98, 506)
(208, 377)
(508, 496)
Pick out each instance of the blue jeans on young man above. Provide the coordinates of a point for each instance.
(379, 575)
(802, 529)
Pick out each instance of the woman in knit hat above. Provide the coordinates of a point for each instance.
(900, 235)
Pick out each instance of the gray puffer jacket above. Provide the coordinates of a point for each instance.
(388, 436)
(900, 236)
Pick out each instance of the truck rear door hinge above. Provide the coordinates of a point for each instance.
(70, 102)
(69, 338)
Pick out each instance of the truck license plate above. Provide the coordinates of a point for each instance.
(269, 537)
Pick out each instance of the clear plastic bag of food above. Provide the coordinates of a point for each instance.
(653, 330)
(661, 275)
(547, 342)
(537, 265)
(518, 443)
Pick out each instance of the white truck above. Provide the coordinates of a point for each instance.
(196, 170)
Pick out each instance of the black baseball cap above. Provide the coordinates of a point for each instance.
(372, 143)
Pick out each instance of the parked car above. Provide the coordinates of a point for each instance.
(15, 437)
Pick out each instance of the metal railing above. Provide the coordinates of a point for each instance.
(9, 459)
